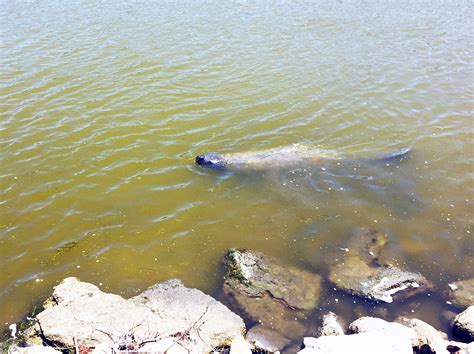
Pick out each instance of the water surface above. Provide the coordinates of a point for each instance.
(105, 104)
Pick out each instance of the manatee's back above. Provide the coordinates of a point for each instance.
(280, 157)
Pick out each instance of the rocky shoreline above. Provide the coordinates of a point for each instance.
(276, 301)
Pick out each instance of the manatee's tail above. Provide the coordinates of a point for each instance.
(394, 156)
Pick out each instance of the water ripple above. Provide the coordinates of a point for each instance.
(106, 104)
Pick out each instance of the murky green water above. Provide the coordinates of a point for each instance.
(104, 105)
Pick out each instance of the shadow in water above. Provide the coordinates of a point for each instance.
(346, 184)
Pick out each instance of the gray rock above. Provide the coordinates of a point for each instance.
(269, 312)
(254, 273)
(363, 272)
(461, 292)
(463, 326)
(293, 348)
(377, 325)
(266, 339)
(80, 311)
(278, 297)
(332, 325)
(376, 342)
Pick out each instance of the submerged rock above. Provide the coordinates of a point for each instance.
(332, 325)
(276, 296)
(80, 314)
(363, 272)
(254, 273)
(379, 283)
(266, 339)
(461, 292)
(463, 326)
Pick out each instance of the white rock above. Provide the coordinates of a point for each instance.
(240, 346)
(470, 348)
(426, 334)
(207, 320)
(32, 350)
(358, 343)
(166, 345)
(377, 325)
(160, 346)
(310, 342)
(103, 349)
(80, 310)
(463, 326)
(332, 325)
(178, 349)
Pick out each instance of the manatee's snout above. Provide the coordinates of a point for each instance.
(211, 161)
(200, 159)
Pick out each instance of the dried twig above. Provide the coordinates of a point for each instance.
(75, 343)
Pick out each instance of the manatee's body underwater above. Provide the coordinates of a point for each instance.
(285, 157)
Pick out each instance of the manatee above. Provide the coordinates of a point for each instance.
(286, 157)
